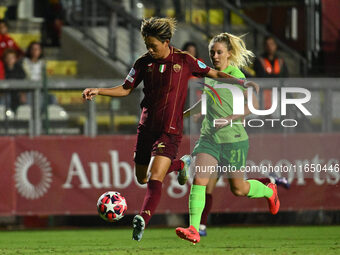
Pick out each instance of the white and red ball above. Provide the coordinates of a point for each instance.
(111, 206)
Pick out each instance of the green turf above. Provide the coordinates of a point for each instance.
(227, 240)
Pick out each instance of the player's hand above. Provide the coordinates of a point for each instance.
(248, 84)
(90, 93)
(223, 122)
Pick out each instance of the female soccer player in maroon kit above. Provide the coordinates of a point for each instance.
(165, 72)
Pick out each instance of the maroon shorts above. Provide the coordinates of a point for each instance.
(150, 143)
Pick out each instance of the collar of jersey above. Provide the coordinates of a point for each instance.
(168, 58)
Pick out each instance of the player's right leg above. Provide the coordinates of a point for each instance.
(205, 164)
(142, 153)
(208, 205)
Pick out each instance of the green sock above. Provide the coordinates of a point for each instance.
(258, 189)
(196, 204)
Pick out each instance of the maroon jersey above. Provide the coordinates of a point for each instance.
(165, 88)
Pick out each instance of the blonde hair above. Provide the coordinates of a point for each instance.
(239, 55)
(161, 28)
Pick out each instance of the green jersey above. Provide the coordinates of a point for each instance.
(228, 134)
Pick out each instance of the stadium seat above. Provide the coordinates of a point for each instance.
(336, 106)
(74, 97)
(122, 120)
(24, 40)
(61, 67)
(3, 10)
(315, 107)
(24, 112)
(199, 16)
(118, 120)
(3, 113)
(56, 112)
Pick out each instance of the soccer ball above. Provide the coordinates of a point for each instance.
(111, 206)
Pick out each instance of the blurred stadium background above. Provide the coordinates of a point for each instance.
(57, 156)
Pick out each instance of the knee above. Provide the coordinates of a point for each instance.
(157, 177)
(238, 191)
(201, 181)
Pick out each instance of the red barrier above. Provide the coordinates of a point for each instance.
(66, 175)
(7, 188)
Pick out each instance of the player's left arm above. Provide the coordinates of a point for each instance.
(227, 120)
(227, 78)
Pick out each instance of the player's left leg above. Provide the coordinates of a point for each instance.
(235, 155)
(141, 172)
(164, 150)
(158, 168)
(254, 189)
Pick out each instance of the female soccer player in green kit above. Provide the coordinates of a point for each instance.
(224, 144)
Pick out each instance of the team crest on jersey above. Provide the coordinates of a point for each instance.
(149, 69)
(177, 68)
(162, 68)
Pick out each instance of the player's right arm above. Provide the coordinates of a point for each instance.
(118, 91)
(132, 80)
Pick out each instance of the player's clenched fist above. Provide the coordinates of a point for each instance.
(90, 93)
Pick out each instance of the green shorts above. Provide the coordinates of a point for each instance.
(227, 154)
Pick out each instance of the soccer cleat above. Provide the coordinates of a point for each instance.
(190, 234)
(273, 201)
(138, 224)
(202, 230)
(183, 174)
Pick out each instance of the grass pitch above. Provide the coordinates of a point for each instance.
(226, 240)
